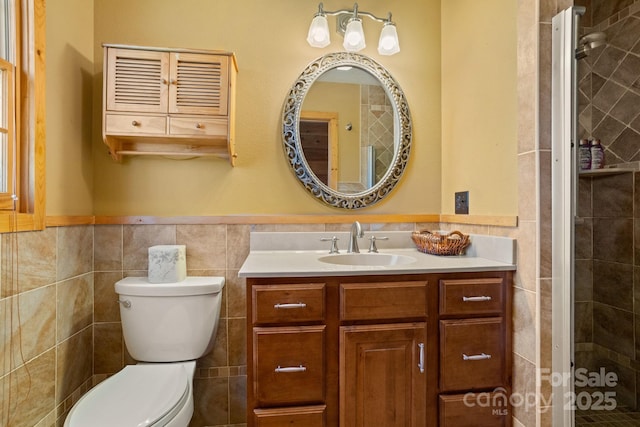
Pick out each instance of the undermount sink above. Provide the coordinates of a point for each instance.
(367, 259)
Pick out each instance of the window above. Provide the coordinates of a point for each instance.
(22, 108)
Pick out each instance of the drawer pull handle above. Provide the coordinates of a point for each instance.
(288, 369)
(135, 123)
(290, 305)
(199, 126)
(481, 356)
(421, 362)
(473, 299)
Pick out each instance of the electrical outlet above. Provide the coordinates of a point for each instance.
(462, 203)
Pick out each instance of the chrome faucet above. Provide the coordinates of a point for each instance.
(356, 231)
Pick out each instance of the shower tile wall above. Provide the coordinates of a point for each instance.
(377, 124)
(607, 309)
(609, 81)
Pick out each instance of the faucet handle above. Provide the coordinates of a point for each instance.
(372, 245)
(334, 244)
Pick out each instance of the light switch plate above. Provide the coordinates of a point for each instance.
(462, 203)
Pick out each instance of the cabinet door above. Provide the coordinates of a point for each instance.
(137, 80)
(383, 375)
(199, 84)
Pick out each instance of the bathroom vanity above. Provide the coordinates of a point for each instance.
(395, 338)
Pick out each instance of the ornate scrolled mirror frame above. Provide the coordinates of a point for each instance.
(291, 132)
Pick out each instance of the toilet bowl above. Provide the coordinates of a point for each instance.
(166, 327)
(143, 395)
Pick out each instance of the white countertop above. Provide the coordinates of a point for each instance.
(274, 254)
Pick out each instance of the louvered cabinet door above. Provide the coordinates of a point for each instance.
(138, 81)
(199, 84)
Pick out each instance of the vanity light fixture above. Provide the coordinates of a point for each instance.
(349, 24)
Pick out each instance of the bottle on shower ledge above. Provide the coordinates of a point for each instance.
(584, 154)
(597, 154)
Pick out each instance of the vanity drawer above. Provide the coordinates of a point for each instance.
(135, 124)
(471, 297)
(474, 410)
(288, 303)
(383, 300)
(198, 126)
(301, 416)
(471, 353)
(288, 363)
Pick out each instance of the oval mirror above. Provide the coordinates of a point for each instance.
(347, 130)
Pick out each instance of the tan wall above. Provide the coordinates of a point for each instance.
(477, 152)
(269, 41)
(70, 81)
(479, 105)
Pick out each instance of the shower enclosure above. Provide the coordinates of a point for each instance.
(596, 213)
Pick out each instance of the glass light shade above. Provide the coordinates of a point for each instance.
(388, 43)
(354, 36)
(319, 32)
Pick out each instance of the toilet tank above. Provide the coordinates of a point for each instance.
(169, 322)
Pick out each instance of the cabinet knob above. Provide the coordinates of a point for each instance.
(135, 123)
(165, 81)
(199, 126)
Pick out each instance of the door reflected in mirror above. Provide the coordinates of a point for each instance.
(319, 141)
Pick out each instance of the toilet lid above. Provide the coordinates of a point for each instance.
(137, 396)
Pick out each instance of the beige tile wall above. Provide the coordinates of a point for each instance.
(67, 334)
(46, 312)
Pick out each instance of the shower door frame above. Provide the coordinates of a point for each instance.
(564, 139)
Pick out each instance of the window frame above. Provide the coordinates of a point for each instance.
(28, 212)
(7, 86)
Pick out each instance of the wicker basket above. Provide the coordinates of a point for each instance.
(453, 243)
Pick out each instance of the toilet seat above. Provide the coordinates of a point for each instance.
(138, 396)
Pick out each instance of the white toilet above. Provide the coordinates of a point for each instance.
(166, 326)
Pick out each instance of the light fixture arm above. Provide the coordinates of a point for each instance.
(355, 12)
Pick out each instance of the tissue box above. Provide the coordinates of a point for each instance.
(167, 263)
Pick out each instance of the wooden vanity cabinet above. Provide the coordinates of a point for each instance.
(168, 102)
(378, 350)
